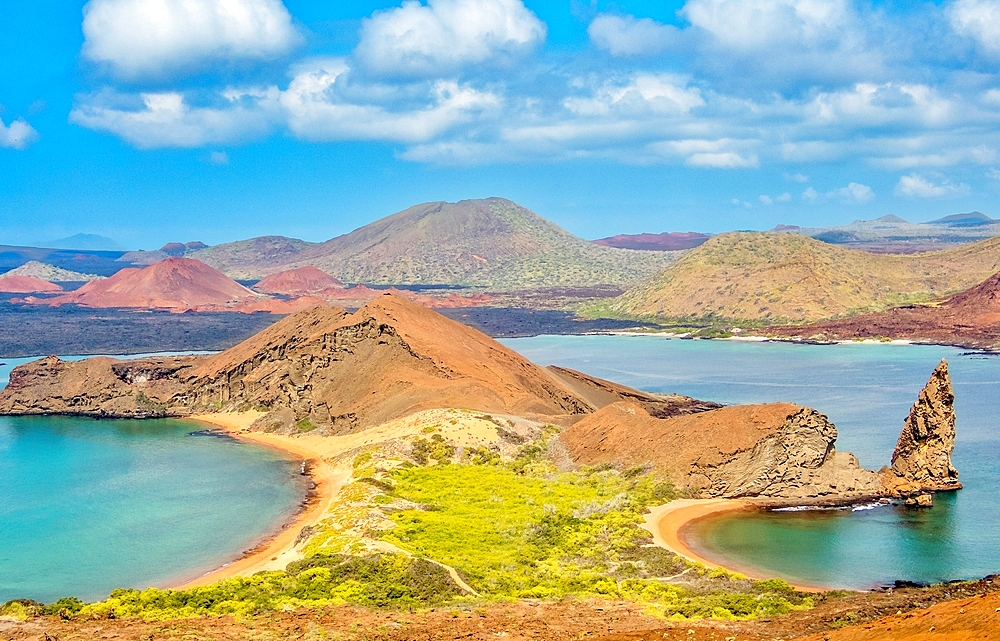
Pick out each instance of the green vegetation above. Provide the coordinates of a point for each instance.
(305, 425)
(512, 529)
(375, 580)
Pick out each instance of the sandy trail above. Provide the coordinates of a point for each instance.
(667, 523)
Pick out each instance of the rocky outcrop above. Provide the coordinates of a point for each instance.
(328, 371)
(922, 459)
(778, 450)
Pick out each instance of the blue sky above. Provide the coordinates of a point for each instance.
(157, 120)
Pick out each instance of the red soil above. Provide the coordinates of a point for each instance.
(176, 284)
(298, 282)
(970, 318)
(26, 285)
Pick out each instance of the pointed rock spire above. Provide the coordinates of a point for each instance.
(922, 460)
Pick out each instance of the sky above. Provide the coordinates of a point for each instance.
(150, 121)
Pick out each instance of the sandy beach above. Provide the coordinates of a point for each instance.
(279, 551)
(667, 523)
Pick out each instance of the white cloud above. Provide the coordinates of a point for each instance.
(168, 120)
(644, 93)
(784, 198)
(810, 195)
(628, 36)
(979, 20)
(444, 36)
(765, 199)
(17, 135)
(748, 24)
(143, 37)
(218, 158)
(917, 186)
(320, 105)
(853, 193)
(799, 178)
(993, 173)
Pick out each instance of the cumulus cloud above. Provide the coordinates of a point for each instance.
(784, 198)
(853, 193)
(979, 20)
(916, 186)
(810, 195)
(748, 24)
(444, 36)
(628, 36)
(798, 177)
(167, 119)
(142, 37)
(320, 105)
(766, 200)
(17, 135)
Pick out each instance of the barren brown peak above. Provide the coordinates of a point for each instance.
(303, 280)
(26, 285)
(984, 298)
(922, 458)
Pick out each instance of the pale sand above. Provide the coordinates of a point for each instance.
(668, 522)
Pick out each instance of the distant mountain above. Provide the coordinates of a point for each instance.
(146, 257)
(667, 241)
(786, 277)
(891, 234)
(85, 261)
(50, 273)
(492, 243)
(91, 242)
(972, 219)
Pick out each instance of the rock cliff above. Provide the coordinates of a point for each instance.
(778, 450)
(774, 451)
(922, 459)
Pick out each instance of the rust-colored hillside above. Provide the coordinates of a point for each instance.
(26, 285)
(970, 318)
(298, 282)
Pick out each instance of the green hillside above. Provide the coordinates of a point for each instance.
(492, 243)
(768, 277)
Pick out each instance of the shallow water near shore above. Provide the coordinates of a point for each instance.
(866, 390)
(88, 505)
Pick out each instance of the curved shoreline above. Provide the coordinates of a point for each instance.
(670, 523)
(278, 550)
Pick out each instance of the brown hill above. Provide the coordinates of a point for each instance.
(667, 241)
(26, 285)
(492, 243)
(326, 369)
(298, 282)
(782, 277)
(175, 283)
(970, 318)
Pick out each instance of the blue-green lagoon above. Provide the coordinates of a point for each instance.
(90, 505)
(866, 390)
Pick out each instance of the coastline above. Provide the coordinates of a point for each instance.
(668, 523)
(278, 550)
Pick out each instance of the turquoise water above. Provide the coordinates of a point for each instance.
(866, 390)
(87, 506)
